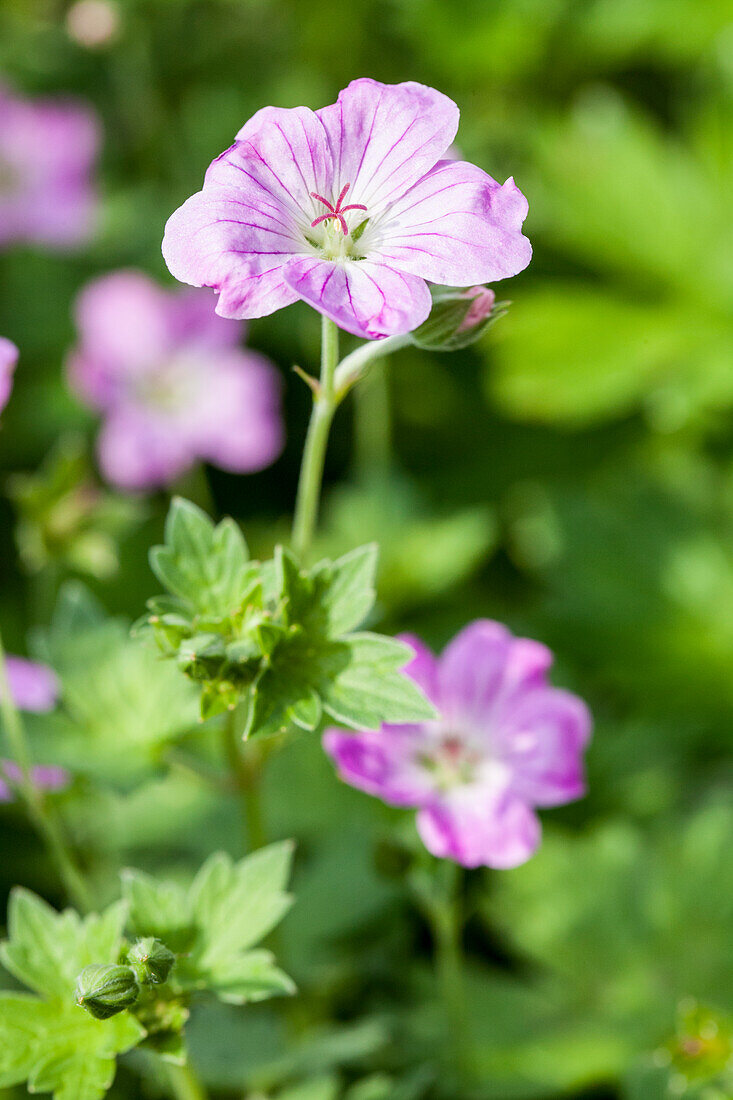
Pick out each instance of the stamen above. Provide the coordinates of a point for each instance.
(336, 212)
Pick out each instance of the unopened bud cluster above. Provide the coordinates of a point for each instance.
(105, 990)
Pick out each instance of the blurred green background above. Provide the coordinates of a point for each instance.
(571, 475)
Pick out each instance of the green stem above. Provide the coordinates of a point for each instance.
(246, 766)
(372, 428)
(446, 921)
(43, 820)
(314, 454)
(184, 1084)
(354, 366)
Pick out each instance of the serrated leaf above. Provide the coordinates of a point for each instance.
(51, 1043)
(235, 905)
(205, 565)
(157, 908)
(370, 689)
(350, 594)
(249, 977)
(46, 949)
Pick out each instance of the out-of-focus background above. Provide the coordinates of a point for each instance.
(570, 475)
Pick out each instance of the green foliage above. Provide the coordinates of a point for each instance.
(274, 636)
(215, 924)
(113, 692)
(66, 519)
(46, 1040)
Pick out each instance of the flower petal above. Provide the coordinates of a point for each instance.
(542, 738)
(126, 324)
(455, 227)
(236, 241)
(8, 361)
(384, 137)
(33, 686)
(236, 423)
(475, 829)
(483, 668)
(382, 763)
(368, 299)
(138, 450)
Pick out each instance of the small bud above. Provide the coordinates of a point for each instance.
(151, 960)
(106, 990)
(458, 318)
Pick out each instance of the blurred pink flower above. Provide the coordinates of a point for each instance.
(34, 688)
(506, 742)
(46, 776)
(8, 361)
(47, 153)
(170, 382)
(351, 209)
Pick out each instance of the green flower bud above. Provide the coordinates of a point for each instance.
(458, 318)
(106, 990)
(151, 960)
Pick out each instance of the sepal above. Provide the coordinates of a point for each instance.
(458, 318)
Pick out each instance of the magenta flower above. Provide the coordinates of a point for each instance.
(171, 383)
(47, 152)
(351, 209)
(8, 361)
(34, 688)
(506, 742)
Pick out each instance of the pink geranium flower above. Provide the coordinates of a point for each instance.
(506, 742)
(8, 361)
(171, 383)
(351, 209)
(33, 688)
(47, 153)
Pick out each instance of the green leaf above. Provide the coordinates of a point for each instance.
(52, 1043)
(227, 910)
(371, 689)
(205, 565)
(157, 909)
(46, 949)
(350, 594)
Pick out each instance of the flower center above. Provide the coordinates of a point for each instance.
(336, 242)
(336, 212)
(453, 761)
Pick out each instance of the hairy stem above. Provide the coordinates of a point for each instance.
(314, 455)
(354, 366)
(184, 1084)
(39, 813)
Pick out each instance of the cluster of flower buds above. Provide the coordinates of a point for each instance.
(106, 990)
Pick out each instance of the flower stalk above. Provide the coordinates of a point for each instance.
(325, 403)
(184, 1084)
(42, 819)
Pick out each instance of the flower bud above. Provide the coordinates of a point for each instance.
(151, 960)
(106, 990)
(458, 318)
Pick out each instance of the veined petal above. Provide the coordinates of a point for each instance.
(477, 830)
(285, 151)
(423, 668)
(384, 137)
(236, 242)
(371, 300)
(455, 227)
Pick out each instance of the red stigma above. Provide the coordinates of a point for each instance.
(336, 212)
